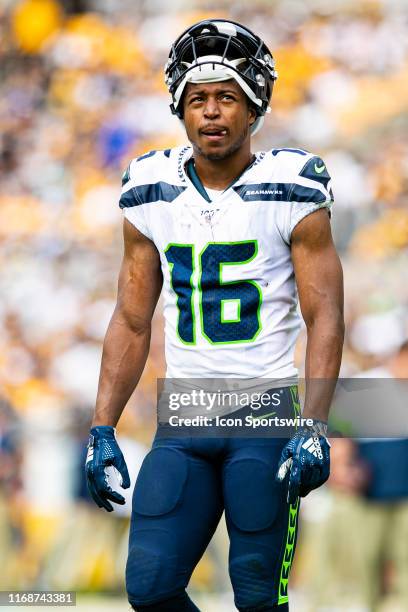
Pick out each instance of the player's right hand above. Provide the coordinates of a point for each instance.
(103, 450)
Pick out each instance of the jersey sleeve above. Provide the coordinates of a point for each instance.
(130, 203)
(310, 191)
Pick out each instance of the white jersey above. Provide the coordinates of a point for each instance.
(230, 300)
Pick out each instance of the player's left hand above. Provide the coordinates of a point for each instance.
(305, 460)
(103, 451)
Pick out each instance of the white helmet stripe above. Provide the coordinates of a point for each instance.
(226, 27)
(210, 69)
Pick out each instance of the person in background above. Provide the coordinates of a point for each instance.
(385, 527)
(360, 548)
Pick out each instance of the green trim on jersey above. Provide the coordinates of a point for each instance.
(224, 319)
(220, 284)
(192, 310)
(230, 284)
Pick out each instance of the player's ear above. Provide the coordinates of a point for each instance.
(251, 114)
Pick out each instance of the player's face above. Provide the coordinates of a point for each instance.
(217, 118)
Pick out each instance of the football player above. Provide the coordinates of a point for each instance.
(230, 237)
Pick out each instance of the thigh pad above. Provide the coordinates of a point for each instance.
(252, 497)
(161, 481)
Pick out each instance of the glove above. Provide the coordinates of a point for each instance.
(103, 450)
(305, 460)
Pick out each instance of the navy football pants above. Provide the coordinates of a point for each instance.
(181, 491)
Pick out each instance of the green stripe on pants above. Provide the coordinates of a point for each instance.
(289, 553)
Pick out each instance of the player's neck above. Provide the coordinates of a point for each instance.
(220, 173)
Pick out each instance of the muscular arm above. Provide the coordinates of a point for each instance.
(127, 339)
(319, 280)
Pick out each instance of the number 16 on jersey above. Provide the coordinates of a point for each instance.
(229, 310)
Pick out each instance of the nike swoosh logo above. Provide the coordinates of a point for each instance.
(319, 169)
(261, 416)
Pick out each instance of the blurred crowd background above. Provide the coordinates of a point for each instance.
(81, 93)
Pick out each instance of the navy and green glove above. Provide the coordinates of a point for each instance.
(103, 451)
(305, 461)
